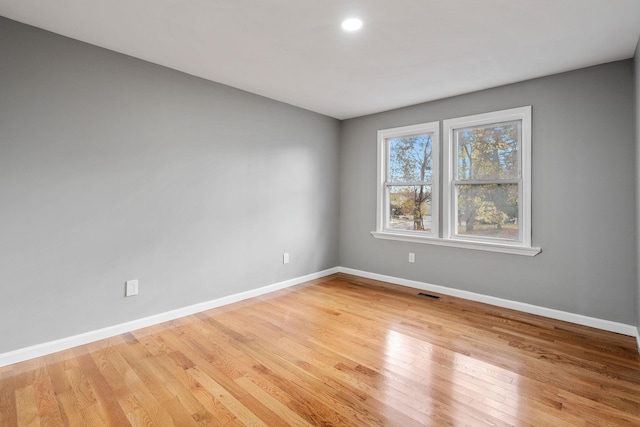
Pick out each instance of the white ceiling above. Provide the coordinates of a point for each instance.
(409, 51)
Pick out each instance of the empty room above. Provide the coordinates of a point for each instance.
(335, 213)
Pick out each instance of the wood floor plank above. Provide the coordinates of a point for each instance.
(340, 350)
(103, 394)
(8, 411)
(26, 406)
(48, 409)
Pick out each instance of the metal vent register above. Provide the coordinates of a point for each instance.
(422, 294)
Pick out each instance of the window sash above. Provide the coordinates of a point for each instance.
(523, 181)
(456, 150)
(456, 212)
(385, 183)
(428, 205)
(408, 183)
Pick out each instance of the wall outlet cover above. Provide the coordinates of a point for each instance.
(131, 288)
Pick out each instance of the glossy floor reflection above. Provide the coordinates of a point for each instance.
(336, 351)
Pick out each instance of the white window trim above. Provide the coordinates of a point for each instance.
(448, 238)
(522, 114)
(382, 202)
(459, 243)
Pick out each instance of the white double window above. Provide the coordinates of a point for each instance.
(486, 182)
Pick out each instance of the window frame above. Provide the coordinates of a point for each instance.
(444, 186)
(449, 200)
(383, 214)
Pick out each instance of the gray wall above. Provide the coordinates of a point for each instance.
(112, 168)
(583, 197)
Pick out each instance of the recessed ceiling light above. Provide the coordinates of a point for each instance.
(351, 24)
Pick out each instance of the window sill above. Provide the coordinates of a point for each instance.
(466, 244)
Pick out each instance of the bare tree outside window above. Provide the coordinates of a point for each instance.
(410, 178)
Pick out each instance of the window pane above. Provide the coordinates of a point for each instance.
(410, 158)
(410, 207)
(488, 211)
(488, 152)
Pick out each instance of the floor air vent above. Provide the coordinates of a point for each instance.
(422, 294)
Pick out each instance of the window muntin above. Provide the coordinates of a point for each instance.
(408, 177)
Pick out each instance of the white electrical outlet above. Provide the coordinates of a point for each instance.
(285, 258)
(131, 288)
(412, 257)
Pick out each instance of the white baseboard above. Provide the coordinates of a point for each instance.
(579, 319)
(43, 349)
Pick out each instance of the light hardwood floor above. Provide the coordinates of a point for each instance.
(336, 351)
